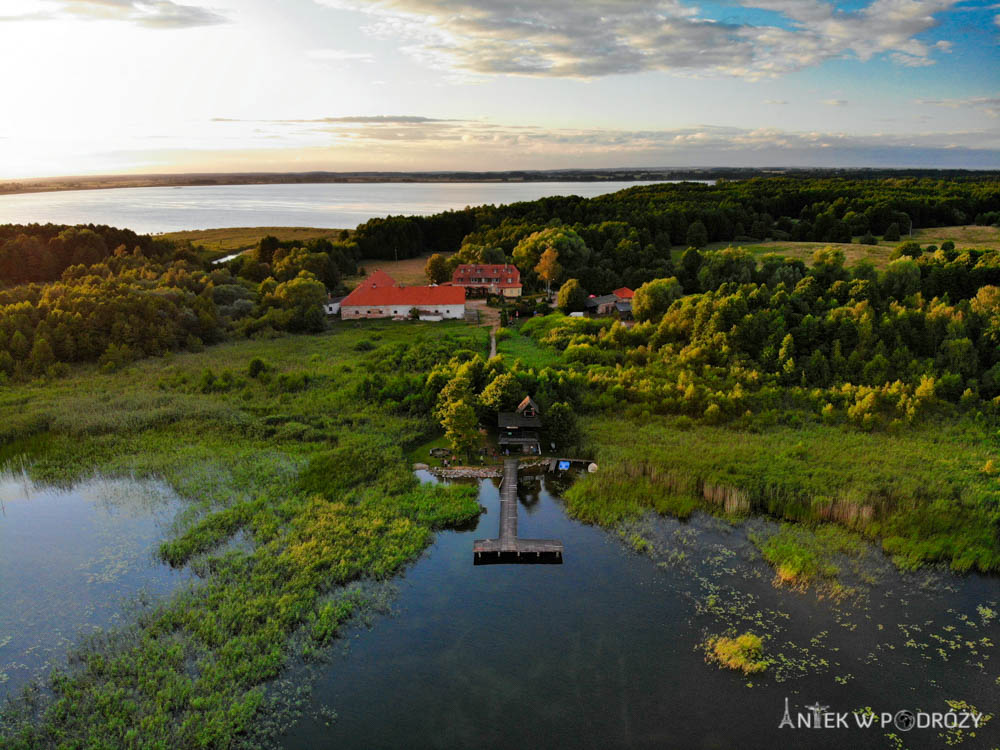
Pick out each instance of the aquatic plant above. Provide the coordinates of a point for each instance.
(744, 653)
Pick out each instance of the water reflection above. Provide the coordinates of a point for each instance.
(172, 209)
(603, 651)
(70, 561)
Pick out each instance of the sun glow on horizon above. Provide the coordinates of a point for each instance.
(105, 87)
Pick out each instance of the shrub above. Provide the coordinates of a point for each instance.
(256, 367)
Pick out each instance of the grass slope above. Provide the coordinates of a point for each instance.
(230, 240)
(409, 272)
(964, 237)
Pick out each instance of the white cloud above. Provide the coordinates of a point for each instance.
(835, 102)
(989, 105)
(158, 14)
(339, 55)
(431, 134)
(591, 38)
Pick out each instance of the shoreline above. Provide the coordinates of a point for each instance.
(616, 174)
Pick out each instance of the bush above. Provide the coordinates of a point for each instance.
(256, 367)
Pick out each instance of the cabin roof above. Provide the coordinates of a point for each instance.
(512, 420)
(528, 401)
(604, 299)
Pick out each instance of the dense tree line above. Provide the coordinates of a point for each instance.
(637, 226)
(65, 297)
(41, 252)
(328, 261)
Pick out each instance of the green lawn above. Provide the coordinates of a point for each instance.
(964, 237)
(528, 351)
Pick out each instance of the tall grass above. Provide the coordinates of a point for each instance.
(922, 492)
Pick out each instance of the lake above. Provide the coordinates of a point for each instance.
(74, 561)
(170, 209)
(604, 650)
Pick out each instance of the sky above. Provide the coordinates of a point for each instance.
(151, 86)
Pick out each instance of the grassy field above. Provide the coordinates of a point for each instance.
(964, 237)
(409, 272)
(268, 438)
(236, 239)
(526, 349)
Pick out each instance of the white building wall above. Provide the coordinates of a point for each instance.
(400, 311)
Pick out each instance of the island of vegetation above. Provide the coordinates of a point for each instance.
(794, 353)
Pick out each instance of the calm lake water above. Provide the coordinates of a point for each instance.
(72, 561)
(170, 209)
(602, 651)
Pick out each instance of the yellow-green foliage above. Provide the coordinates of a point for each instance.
(744, 653)
(801, 554)
(606, 499)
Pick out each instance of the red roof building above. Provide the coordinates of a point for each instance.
(481, 278)
(378, 296)
(623, 293)
(379, 278)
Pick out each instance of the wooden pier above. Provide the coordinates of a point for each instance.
(509, 548)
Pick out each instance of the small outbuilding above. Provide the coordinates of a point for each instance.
(332, 305)
(603, 305)
(519, 429)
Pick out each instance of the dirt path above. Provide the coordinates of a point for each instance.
(488, 316)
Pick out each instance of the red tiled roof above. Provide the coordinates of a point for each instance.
(487, 274)
(623, 293)
(379, 278)
(409, 296)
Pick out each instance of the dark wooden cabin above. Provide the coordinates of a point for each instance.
(519, 429)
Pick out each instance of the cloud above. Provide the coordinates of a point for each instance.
(593, 38)
(380, 119)
(510, 145)
(775, 101)
(156, 14)
(989, 105)
(339, 55)
(835, 102)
